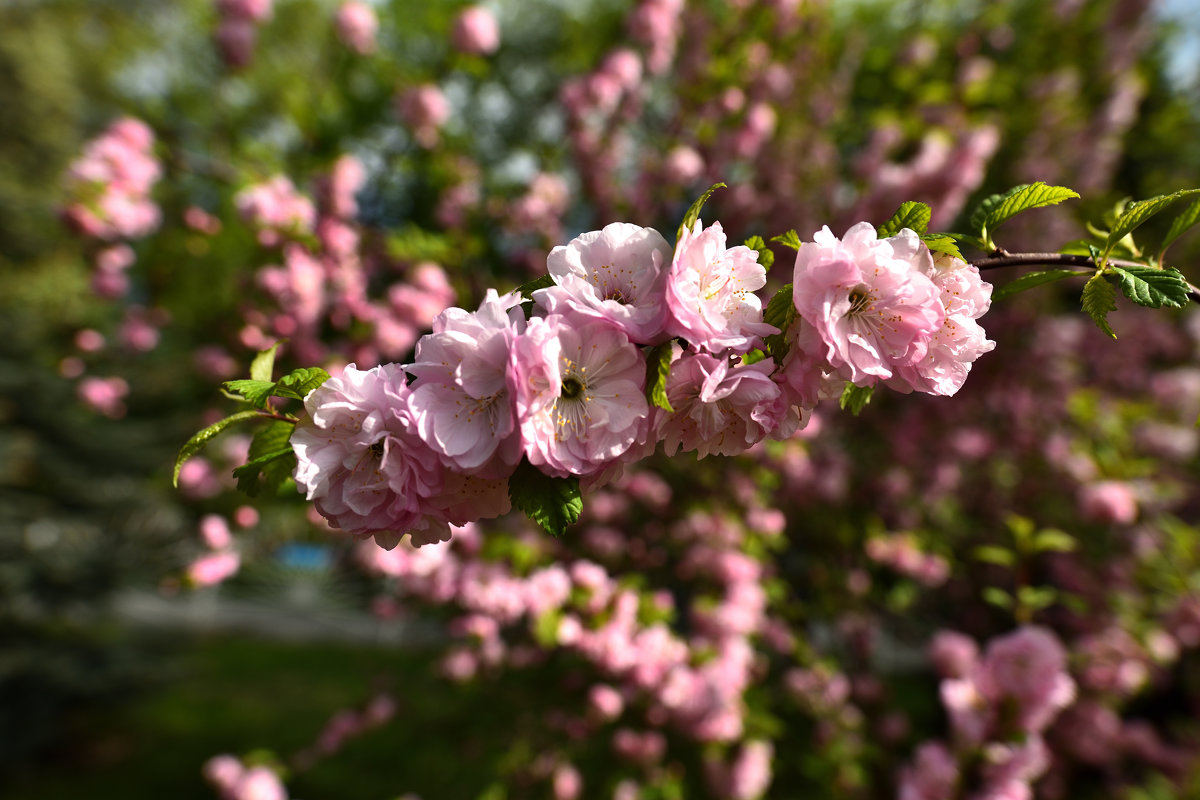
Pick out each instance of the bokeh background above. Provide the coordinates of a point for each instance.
(182, 184)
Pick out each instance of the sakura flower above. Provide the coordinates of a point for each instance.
(719, 408)
(933, 775)
(871, 300)
(1028, 669)
(616, 274)
(357, 25)
(361, 462)
(578, 387)
(476, 31)
(460, 402)
(710, 292)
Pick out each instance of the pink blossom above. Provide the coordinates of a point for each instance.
(235, 39)
(223, 772)
(104, 395)
(275, 206)
(710, 292)
(214, 530)
(683, 165)
(200, 220)
(476, 31)
(259, 783)
(461, 403)
(933, 775)
(616, 274)
(578, 389)
(213, 568)
(252, 10)
(356, 26)
(1108, 502)
(245, 516)
(953, 654)
(568, 783)
(109, 185)
(869, 299)
(89, 340)
(606, 701)
(1028, 668)
(424, 109)
(750, 773)
(719, 408)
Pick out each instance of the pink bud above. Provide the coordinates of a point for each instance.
(476, 31)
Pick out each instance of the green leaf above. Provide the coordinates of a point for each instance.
(693, 212)
(855, 398)
(658, 369)
(1181, 224)
(545, 629)
(992, 554)
(912, 215)
(527, 289)
(1138, 212)
(263, 364)
(941, 243)
(1153, 288)
(299, 382)
(1099, 298)
(1053, 540)
(790, 239)
(999, 208)
(766, 256)
(254, 392)
(267, 466)
(997, 597)
(263, 472)
(1036, 597)
(196, 443)
(553, 503)
(780, 313)
(1032, 279)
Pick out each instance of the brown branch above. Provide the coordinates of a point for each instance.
(1002, 258)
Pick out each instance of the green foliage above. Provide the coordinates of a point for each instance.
(780, 313)
(1151, 287)
(942, 243)
(658, 370)
(296, 385)
(1137, 213)
(270, 461)
(790, 239)
(912, 215)
(1031, 279)
(997, 209)
(693, 212)
(1181, 225)
(855, 398)
(1099, 298)
(553, 503)
(195, 444)
(766, 256)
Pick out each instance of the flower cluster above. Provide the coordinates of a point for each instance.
(109, 184)
(418, 447)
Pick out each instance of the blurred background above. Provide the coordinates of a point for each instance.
(182, 184)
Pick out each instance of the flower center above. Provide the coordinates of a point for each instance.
(860, 300)
(572, 388)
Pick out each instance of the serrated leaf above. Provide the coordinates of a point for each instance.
(254, 392)
(992, 554)
(1052, 540)
(250, 476)
(553, 503)
(195, 444)
(693, 212)
(658, 370)
(1153, 288)
(1099, 298)
(1181, 224)
(766, 256)
(1032, 279)
(941, 243)
(780, 313)
(998, 209)
(855, 398)
(979, 216)
(790, 239)
(1138, 212)
(263, 365)
(299, 382)
(912, 215)
(526, 290)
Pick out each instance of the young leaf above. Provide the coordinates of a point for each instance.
(941, 243)
(790, 239)
(912, 215)
(780, 313)
(693, 213)
(264, 363)
(252, 391)
(658, 369)
(766, 256)
(1181, 224)
(1099, 298)
(1138, 212)
(1053, 540)
(299, 382)
(553, 503)
(267, 471)
(997, 209)
(1032, 279)
(1153, 288)
(997, 597)
(196, 443)
(855, 398)
(543, 282)
(992, 554)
